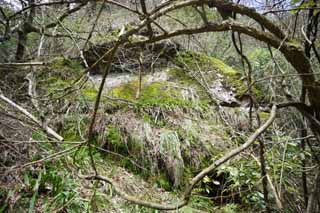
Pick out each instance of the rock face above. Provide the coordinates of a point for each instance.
(170, 151)
(129, 59)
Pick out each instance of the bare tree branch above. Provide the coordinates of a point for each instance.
(47, 129)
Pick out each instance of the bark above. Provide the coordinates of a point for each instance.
(314, 196)
(21, 47)
(145, 12)
(24, 31)
(264, 175)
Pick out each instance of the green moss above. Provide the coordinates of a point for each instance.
(163, 182)
(197, 61)
(153, 94)
(107, 37)
(264, 115)
(55, 83)
(190, 63)
(212, 68)
(58, 77)
(89, 94)
(223, 68)
(126, 91)
(294, 42)
(67, 67)
(181, 76)
(114, 136)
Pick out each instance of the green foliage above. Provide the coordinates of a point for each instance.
(163, 182)
(7, 49)
(90, 94)
(255, 199)
(63, 190)
(260, 58)
(114, 137)
(230, 208)
(69, 68)
(182, 76)
(200, 202)
(49, 188)
(70, 130)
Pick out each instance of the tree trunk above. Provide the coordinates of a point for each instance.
(21, 46)
(25, 29)
(299, 60)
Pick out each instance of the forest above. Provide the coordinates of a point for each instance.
(159, 106)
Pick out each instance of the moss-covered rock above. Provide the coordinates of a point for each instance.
(170, 151)
(160, 93)
(220, 81)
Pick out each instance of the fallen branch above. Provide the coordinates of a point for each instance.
(50, 157)
(47, 129)
(35, 63)
(135, 200)
(184, 201)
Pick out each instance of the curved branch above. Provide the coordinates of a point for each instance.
(222, 4)
(123, 7)
(227, 25)
(40, 5)
(135, 200)
(250, 12)
(294, 53)
(65, 15)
